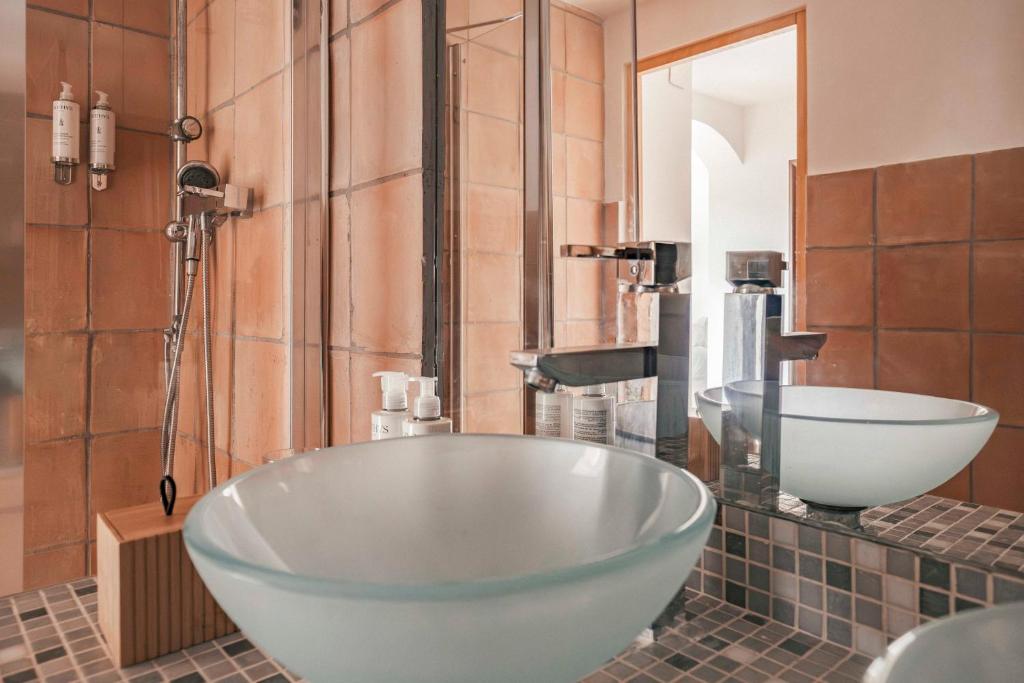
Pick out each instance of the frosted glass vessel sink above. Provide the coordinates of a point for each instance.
(450, 558)
(980, 646)
(857, 448)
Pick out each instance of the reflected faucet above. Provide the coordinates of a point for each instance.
(754, 349)
(661, 268)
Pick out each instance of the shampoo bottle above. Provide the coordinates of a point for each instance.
(387, 422)
(553, 414)
(64, 147)
(593, 416)
(426, 411)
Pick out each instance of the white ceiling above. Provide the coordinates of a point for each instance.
(758, 70)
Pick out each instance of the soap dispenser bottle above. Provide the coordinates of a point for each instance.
(387, 422)
(426, 411)
(553, 414)
(593, 416)
(65, 149)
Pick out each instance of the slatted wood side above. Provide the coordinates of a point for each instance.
(151, 601)
(705, 454)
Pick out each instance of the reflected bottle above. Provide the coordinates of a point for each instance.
(593, 416)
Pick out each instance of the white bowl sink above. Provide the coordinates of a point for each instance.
(859, 448)
(979, 646)
(450, 558)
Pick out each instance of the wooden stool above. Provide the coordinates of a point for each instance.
(151, 601)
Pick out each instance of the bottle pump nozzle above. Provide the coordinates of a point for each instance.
(65, 91)
(393, 384)
(427, 405)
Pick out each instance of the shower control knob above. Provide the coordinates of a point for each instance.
(187, 129)
(176, 231)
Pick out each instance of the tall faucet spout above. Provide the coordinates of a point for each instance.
(580, 366)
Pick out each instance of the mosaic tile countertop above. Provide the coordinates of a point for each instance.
(952, 529)
(51, 635)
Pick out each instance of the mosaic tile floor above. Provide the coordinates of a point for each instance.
(51, 635)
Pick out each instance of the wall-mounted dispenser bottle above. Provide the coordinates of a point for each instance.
(387, 422)
(426, 411)
(554, 414)
(593, 416)
(101, 141)
(65, 148)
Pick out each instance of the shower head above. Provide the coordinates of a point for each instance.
(198, 174)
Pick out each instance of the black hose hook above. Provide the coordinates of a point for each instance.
(168, 494)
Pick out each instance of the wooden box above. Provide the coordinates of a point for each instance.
(151, 601)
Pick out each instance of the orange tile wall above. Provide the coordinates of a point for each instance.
(96, 279)
(916, 272)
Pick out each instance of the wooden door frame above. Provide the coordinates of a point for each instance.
(797, 18)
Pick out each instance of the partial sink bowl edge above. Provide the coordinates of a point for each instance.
(856, 448)
(450, 557)
(980, 646)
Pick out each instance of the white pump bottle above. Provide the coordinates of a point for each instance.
(387, 422)
(426, 411)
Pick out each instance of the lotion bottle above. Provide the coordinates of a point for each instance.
(387, 422)
(593, 416)
(426, 411)
(65, 147)
(553, 413)
(101, 141)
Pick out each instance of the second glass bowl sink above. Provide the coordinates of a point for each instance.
(450, 558)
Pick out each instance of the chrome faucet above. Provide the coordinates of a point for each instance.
(755, 348)
(661, 268)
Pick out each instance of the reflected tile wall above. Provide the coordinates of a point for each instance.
(96, 279)
(915, 275)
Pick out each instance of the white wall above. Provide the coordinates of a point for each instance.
(665, 153)
(888, 80)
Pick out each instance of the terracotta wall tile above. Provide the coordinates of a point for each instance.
(933, 363)
(925, 201)
(124, 471)
(840, 209)
(492, 82)
(222, 274)
(55, 279)
(487, 351)
(999, 375)
(127, 381)
(259, 142)
(341, 398)
(260, 401)
(583, 289)
(507, 37)
(54, 566)
(128, 286)
(108, 64)
(219, 45)
(387, 242)
(259, 276)
(558, 165)
(186, 466)
(558, 101)
(341, 114)
(147, 64)
(999, 286)
(584, 177)
(839, 286)
(77, 7)
(924, 286)
(341, 256)
(846, 360)
(55, 370)
(190, 386)
(149, 15)
(500, 412)
(193, 404)
(198, 65)
(339, 15)
(583, 333)
(46, 201)
(219, 137)
(493, 219)
(365, 388)
(999, 194)
(584, 109)
(137, 195)
(494, 151)
(557, 32)
(998, 475)
(584, 48)
(583, 222)
(492, 288)
(56, 49)
(387, 86)
(259, 40)
(957, 488)
(360, 9)
(54, 519)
